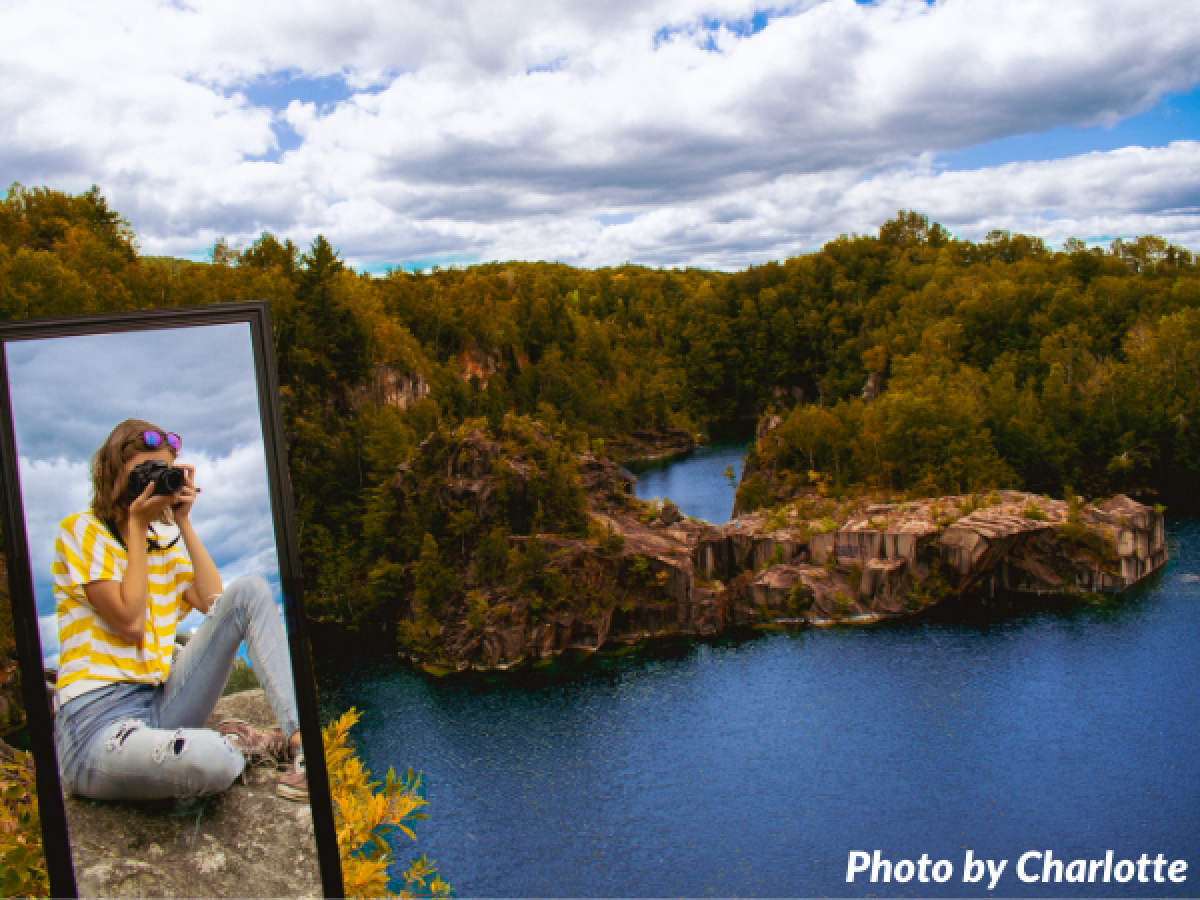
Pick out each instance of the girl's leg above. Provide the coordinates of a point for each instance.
(132, 761)
(247, 612)
(109, 748)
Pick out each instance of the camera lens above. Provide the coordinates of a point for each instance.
(171, 481)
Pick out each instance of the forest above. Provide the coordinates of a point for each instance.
(909, 361)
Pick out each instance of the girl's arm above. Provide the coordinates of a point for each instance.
(123, 604)
(207, 585)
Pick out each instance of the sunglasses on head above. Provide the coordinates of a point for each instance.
(152, 440)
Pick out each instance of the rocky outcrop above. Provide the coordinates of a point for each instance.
(473, 362)
(767, 424)
(872, 389)
(245, 842)
(890, 560)
(748, 542)
(389, 387)
(604, 481)
(1101, 548)
(647, 445)
(642, 585)
(646, 570)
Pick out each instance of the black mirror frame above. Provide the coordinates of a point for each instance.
(257, 314)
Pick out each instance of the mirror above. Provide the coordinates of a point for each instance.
(145, 772)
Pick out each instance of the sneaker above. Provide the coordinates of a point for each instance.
(293, 784)
(260, 748)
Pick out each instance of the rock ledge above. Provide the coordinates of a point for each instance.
(245, 842)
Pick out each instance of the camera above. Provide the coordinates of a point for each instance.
(166, 479)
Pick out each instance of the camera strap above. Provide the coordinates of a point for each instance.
(151, 539)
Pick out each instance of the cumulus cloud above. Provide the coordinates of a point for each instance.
(1095, 196)
(69, 392)
(502, 128)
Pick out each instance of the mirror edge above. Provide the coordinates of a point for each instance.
(291, 582)
(56, 845)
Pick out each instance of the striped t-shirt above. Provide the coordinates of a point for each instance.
(90, 653)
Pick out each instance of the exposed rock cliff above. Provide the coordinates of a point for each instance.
(646, 571)
(650, 445)
(388, 387)
(889, 560)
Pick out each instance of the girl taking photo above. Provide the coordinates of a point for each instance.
(129, 717)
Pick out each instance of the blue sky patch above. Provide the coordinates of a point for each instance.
(553, 66)
(277, 90)
(615, 218)
(744, 27)
(445, 261)
(1176, 118)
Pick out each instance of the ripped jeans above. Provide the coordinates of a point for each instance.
(144, 741)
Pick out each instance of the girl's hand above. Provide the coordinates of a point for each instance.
(148, 507)
(181, 506)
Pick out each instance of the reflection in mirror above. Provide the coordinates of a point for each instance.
(144, 488)
(24, 862)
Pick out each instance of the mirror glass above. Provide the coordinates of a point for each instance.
(159, 799)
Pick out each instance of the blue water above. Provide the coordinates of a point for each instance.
(696, 484)
(753, 767)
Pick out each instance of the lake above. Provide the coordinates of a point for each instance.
(697, 484)
(754, 766)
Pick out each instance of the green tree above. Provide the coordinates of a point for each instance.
(435, 583)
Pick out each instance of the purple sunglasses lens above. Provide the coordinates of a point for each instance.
(153, 440)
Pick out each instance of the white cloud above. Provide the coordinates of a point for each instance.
(1130, 191)
(233, 512)
(51, 489)
(448, 143)
(48, 631)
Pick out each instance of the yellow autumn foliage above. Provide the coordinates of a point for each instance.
(366, 812)
(22, 863)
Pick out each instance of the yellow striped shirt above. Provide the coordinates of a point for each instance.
(90, 652)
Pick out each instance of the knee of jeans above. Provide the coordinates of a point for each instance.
(247, 592)
(205, 762)
(123, 731)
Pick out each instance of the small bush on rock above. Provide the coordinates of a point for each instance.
(1033, 511)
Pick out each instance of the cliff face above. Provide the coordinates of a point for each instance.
(651, 445)
(891, 560)
(386, 386)
(644, 571)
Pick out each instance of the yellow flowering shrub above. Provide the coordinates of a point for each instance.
(22, 863)
(366, 813)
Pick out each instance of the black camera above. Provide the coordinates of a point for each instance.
(166, 479)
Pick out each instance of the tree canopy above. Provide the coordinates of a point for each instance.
(996, 363)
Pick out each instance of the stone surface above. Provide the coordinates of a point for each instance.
(389, 387)
(648, 445)
(647, 572)
(245, 842)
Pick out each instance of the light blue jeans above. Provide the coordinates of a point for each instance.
(145, 741)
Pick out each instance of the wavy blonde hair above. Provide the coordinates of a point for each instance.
(109, 482)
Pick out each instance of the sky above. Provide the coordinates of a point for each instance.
(714, 133)
(68, 394)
